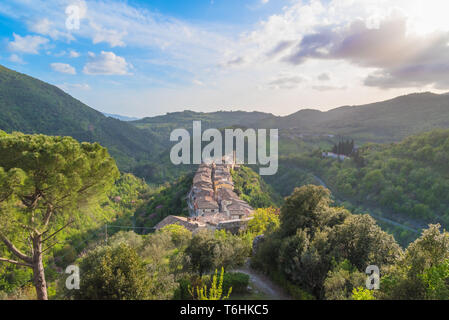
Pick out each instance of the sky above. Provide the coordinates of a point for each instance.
(147, 58)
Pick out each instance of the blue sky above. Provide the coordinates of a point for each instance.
(144, 58)
(236, 12)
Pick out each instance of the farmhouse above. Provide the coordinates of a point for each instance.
(334, 156)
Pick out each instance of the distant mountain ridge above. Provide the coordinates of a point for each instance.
(120, 117)
(390, 120)
(385, 121)
(142, 146)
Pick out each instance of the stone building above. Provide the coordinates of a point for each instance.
(212, 200)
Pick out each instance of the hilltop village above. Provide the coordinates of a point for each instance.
(212, 201)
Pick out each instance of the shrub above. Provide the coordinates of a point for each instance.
(179, 234)
(362, 294)
(215, 291)
(113, 273)
(182, 292)
(237, 281)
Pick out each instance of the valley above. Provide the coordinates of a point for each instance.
(184, 222)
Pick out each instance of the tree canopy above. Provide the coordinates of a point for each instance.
(48, 183)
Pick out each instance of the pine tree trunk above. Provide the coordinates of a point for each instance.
(38, 269)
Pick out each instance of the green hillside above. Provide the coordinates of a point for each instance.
(250, 187)
(385, 121)
(163, 125)
(406, 182)
(168, 199)
(33, 106)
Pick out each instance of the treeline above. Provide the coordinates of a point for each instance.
(344, 147)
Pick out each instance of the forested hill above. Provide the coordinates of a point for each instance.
(385, 121)
(220, 119)
(33, 106)
(407, 182)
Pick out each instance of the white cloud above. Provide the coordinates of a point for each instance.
(328, 88)
(234, 62)
(198, 82)
(58, 54)
(16, 59)
(401, 59)
(240, 61)
(47, 28)
(42, 26)
(111, 36)
(107, 63)
(399, 39)
(188, 46)
(324, 77)
(27, 44)
(63, 68)
(73, 54)
(285, 81)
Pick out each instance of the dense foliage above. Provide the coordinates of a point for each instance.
(406, 182)
(168, 199)
(46, 185)
(59, 204)
(33, 106)
(215, 292)
(161, 265)
(114, 205)
(113, 273)
(313, 237)
(423, 271)
(249, 186)
(208, 251)
(409, 177)
(264, 220)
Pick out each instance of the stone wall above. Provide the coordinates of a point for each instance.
(233, 226)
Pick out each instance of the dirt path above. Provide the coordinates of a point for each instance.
(264, 284)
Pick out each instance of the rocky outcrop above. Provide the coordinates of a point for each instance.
(256, 243)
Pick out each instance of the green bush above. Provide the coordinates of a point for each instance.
(182, 292)
(113, 273)
(293, 290)
(237, 281)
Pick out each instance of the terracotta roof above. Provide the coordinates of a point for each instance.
(213, 219)
(206, 204)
